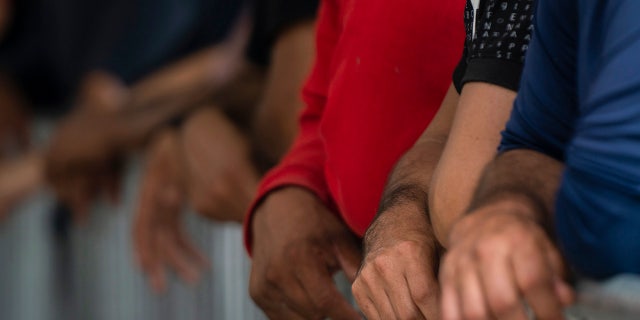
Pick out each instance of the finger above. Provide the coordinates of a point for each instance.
(473, 302)
(423, 287)
(349, 257)
(150, 263)
(563, 291)
(373, 289)
(450, 301)
(177, 260)
(319, 285)
(283, 312)
(157, 275)
(191, 250)
(500, 287)
(270, 300)
(536, 281)
(364, 301)
(296, 298)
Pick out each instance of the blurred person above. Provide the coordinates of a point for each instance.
(212, 161)
(563, 192)
(380, 74)
(432, 184)
(57, 54)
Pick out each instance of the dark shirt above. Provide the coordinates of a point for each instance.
(579, 102)
(51, 45)
(498, 35)
(271, 18)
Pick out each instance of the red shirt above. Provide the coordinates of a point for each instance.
(381, 72)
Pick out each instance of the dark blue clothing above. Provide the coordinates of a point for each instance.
(51, 45)
(579, 102)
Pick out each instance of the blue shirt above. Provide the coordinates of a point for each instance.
(579, 102)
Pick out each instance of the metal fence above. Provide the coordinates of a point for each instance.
(91, 274)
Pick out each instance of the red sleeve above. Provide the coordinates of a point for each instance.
(303, 166)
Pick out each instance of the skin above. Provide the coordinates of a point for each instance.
(427, 192)
(500, 252)
(159, 237)
(89, 144)
(15, 119)
(18, 178)
(219, 177)
(275, 122)
(292, 224)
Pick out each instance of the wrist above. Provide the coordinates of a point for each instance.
(402, 222)
(514, 202)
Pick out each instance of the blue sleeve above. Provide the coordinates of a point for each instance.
(544, 112)
(598, 208)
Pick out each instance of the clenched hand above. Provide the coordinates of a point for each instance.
(298, 244)
(398, 276)
(500, 257)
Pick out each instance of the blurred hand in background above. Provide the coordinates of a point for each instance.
(160, 239)
(220, 175)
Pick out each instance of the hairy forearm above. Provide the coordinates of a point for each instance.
(524, 176)
(408, 183)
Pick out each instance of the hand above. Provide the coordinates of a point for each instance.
(499, 258)
(398, 276)
(221, 179)
(160, 240)
(298, 244)
(84, 159)
(81, 163)
(18, 178)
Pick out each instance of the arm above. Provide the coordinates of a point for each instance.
(86, 147)
(401, 252)
(290, 219)
(274, 124)
(482, 113)
(433, 183)
(500, 252)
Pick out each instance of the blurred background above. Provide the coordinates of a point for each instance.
(133, 134)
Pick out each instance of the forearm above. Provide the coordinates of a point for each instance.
(205, 70)
(274, 124)
(176, 89)
(521, 176)
(408, 184)
(481, 115)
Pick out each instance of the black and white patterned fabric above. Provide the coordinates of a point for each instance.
(498, 35)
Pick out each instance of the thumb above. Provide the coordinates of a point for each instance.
(349, 256)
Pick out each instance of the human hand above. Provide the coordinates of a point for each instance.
(84, 158)
(298, 244)
(81, 163)
(499, 258)
(398, 278)
(221, 180)
(160, 240)
(19, 177)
